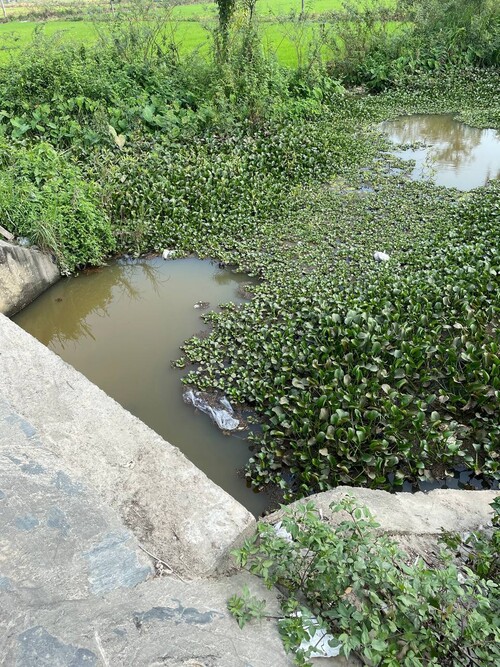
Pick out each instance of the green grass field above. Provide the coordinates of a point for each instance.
(188, 26)
(16, 10)
(188, 36)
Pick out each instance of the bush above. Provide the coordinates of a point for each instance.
(359, 584)
(431, 36)
(44, 197)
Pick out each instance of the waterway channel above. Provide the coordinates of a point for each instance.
(446, 151)
(122, 325)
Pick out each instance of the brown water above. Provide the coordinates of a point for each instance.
(455, 155)
(122, 325)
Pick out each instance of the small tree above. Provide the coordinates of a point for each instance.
(226, 10)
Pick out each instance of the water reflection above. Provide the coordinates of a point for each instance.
(122, 325)
(81, 299)
(454, 155)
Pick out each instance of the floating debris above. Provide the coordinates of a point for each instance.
(381, 256)
(218, 409)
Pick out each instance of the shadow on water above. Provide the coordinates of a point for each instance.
(122, 325)
(454, 155)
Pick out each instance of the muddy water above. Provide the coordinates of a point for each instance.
(122, 325)
(455, 155)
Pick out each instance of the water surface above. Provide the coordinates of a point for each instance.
(122, 325)
(455, 154)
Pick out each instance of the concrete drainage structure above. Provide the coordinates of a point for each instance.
(170, 505)
(94, 504)
(24, 274)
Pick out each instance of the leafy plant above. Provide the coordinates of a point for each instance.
(245, 607)
(44, 197)
(480, 550)
(380, 607)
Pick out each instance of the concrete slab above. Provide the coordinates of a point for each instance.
(58, 541)
(162, 622)
(176, 512)
(77, 590)
(411, 513)
(24, 274)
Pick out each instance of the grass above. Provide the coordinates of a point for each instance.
(280, 37)
(188, 35)
(16, 10)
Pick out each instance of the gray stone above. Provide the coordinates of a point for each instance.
(113, 564)
(5, 583)
(24, 274)
(163, 621)
(178, 514)
(57, 546)
(38, 647)
(27, 522)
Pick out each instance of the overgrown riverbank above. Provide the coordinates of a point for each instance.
(365, 373)
(359, 372)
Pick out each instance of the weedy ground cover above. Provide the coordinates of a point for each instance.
(380, 605)
(358, 372)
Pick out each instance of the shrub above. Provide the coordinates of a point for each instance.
(44, 197)
(361, 587)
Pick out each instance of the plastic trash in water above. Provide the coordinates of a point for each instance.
(381, 256)
(219, 410)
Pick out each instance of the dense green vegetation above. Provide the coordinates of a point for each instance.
(286, 32)
(358, 372)
(379, 604)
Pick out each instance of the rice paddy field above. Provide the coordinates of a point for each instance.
(189, 26)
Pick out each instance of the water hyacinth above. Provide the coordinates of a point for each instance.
(366, 372)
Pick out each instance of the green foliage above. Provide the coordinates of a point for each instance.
(385, 610)
(226, 10)
(69, 95)
(194, 195)
(362, 31)
(433, 36)
(364, 374)
(44, 197)
(245, 607)
(480, 550)
(358, 373)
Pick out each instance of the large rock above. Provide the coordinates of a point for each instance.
(177, 513)
(414, 520)
(160, 623)
(24, 274)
